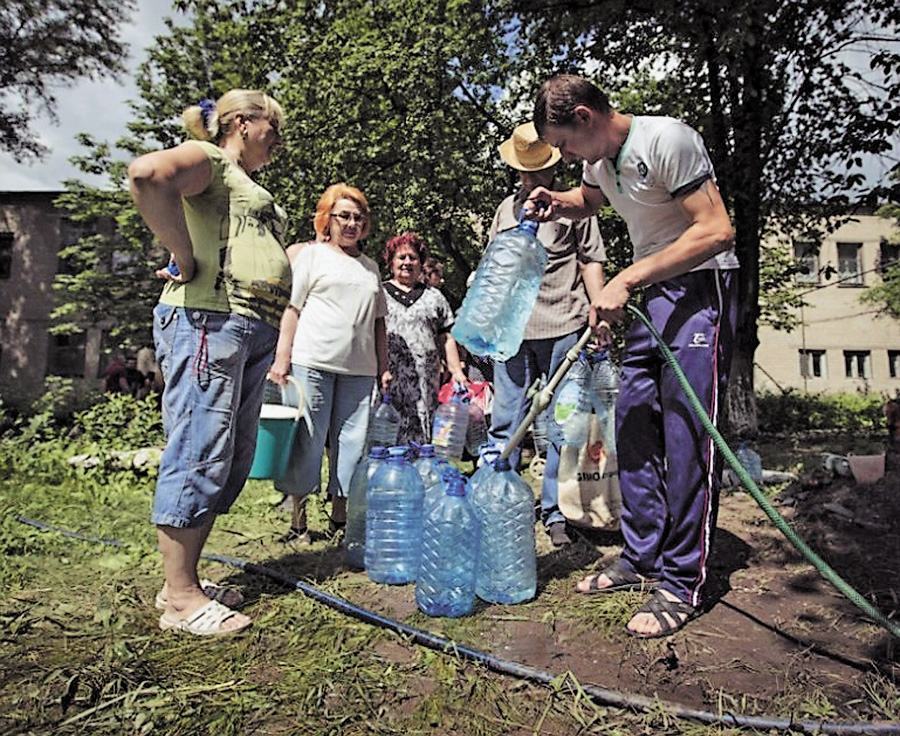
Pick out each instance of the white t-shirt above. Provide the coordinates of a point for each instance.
(339, 297)
(660, 159)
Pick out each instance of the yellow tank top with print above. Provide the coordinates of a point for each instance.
(237, 232)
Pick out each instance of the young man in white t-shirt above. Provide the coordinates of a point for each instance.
(656, 173)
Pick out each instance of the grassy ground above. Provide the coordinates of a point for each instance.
(81, 651)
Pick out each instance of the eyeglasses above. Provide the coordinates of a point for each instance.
(348, 217)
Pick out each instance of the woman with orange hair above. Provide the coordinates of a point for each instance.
(333, 341)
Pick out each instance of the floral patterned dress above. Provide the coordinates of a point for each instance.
(415, 321)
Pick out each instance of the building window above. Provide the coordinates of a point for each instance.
(812, 364)
(65, 356)
(6, 254)
(849, 267)
(857, 364)
(894, 363)
(806, 256)
(889, 256)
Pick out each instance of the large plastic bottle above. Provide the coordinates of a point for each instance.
(604, 394)
(568, 422)
(355, 532)
(500, 300)
(448, 430)
(384, 425)
(752, 462)
(394, 520)
(430, 467)
(507, 563)
(476, 429)
(450, 541)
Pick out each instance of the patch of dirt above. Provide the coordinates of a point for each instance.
(774, 632)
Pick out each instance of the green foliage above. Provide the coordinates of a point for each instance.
(795, 411)
(121, 421)
(47, 44)
(886, 293)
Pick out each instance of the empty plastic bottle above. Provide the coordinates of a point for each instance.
(500, 300)
(450, 541)
(476, 429)
(604, 394)
(448, 430)
(570, 411)
(384, 425)
(752, 462)
(507, 564)
(394, 520)
(355, 531)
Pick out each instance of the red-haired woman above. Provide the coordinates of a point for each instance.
(418, 326)
(337, 314)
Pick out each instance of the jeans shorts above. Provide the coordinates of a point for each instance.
(214, 365)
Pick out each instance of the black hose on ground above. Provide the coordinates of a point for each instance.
(603, 696)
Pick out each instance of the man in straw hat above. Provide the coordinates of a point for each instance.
(656, 172)
(574, 276)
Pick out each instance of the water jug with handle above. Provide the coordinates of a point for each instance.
(450, 541)
(507, 563)
(384, 425)
(394, 520)
(355, 532)
(498, 304)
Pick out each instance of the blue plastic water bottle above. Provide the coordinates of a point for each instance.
(604, 394)
(355, 531)
(750, 459)
(570, 411)
(394, 520)
(448, 430)
(498, 304)
(384, 425)
(507, 563)
(430, 467)
(450, 540)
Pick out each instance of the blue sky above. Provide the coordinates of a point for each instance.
(99, 108)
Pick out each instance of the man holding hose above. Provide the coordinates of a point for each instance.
(656, 173)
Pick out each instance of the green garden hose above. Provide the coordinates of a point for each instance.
(823, 567)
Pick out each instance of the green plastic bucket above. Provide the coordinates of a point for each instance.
(277, 425)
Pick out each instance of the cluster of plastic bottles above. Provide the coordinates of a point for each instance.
(590, 386)
(498, 304)
(458, 425)
(416, 519)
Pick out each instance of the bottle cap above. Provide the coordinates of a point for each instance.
(426, 451)
(378, 452)
(501, 464)
(456, 485)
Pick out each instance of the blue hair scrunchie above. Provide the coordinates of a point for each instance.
(207, 108)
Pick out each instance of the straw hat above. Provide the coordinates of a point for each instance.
(526, 152)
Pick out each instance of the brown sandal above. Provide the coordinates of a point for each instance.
(621, 578)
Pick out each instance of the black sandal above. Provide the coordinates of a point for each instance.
(621, 578)
(662, 609)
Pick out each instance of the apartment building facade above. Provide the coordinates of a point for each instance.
(32, 232)
(841, 345)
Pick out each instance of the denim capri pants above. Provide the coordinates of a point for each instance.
(214, 365)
